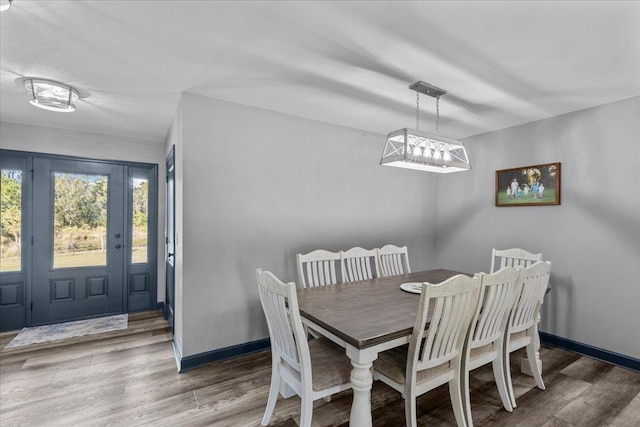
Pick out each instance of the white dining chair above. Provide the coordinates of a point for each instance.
(433, 356)
(318, 268)
(393, 260)
(358, 264)
(312, 370)
(522, 327)
(485, 340)
(514, 257)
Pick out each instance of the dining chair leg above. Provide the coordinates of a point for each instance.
(534, 363)
(456, 402)
(273, 394)
(306, 410)
(465, 395)
(506, 358)
(410, 406)
(498, 374)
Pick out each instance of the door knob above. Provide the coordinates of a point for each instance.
(118, 246)
(117, 235)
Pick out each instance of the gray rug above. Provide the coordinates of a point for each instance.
(60, 331)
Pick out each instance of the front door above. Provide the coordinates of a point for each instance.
(79, 243)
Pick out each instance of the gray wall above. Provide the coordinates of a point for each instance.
(592, 238)
(259, 187)
(14, 136)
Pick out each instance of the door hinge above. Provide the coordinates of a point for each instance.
(31, 306)
(166, 178)
(32, 173)
(31, 240)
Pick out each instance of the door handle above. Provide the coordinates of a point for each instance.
(118, 246)
(169, 255)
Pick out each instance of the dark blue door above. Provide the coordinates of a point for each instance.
(79, 240)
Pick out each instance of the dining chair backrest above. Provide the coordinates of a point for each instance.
(288, 339)
(318, 268)
(393, 260)
(533, 285)
(498, 293)
(453, 303)
(358, 264)
(515, 257)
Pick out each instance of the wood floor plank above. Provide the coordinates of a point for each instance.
(587, 369)
(629, 416)
(603, 400)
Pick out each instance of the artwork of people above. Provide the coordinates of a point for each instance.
(528, 186)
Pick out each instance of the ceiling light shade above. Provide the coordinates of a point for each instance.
(5, 5)
(413, 149)
(51, 95)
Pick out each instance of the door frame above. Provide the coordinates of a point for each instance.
(169, 303)
(27, 229)
(15, 315)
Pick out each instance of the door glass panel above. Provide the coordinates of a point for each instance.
(10, 220)
(140, 217)
(80, 220)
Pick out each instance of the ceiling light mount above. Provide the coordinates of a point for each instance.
(51, 95)
(427, 89)
(413, 149)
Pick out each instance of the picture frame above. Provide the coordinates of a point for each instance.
(536, 185)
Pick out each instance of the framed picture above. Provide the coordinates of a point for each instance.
(536, 185)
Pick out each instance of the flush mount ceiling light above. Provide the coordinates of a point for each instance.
(51, 95)
(413, 149)
(5, 5)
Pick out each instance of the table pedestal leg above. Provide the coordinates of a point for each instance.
(525, 368)
(361, 381)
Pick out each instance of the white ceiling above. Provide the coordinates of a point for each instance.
(348, 63)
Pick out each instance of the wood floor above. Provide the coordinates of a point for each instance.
(130, 378)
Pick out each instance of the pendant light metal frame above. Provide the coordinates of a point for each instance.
(413, 149)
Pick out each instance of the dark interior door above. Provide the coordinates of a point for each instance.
(79, 245)
(170, 239)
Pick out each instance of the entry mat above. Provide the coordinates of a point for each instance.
(59, 331)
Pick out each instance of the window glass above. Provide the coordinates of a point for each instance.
(80, 220)
(10, 220)
(140, 206)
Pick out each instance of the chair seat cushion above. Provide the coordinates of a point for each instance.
(518, 336)
(330, 365)
(480, 351)
(393, 364)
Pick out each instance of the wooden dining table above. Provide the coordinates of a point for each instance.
(365, 317)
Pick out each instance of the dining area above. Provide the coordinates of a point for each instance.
(371, 319)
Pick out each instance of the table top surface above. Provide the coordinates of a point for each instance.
(367, 312)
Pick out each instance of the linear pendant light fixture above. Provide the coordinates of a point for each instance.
(413, 149)
(51, 95)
